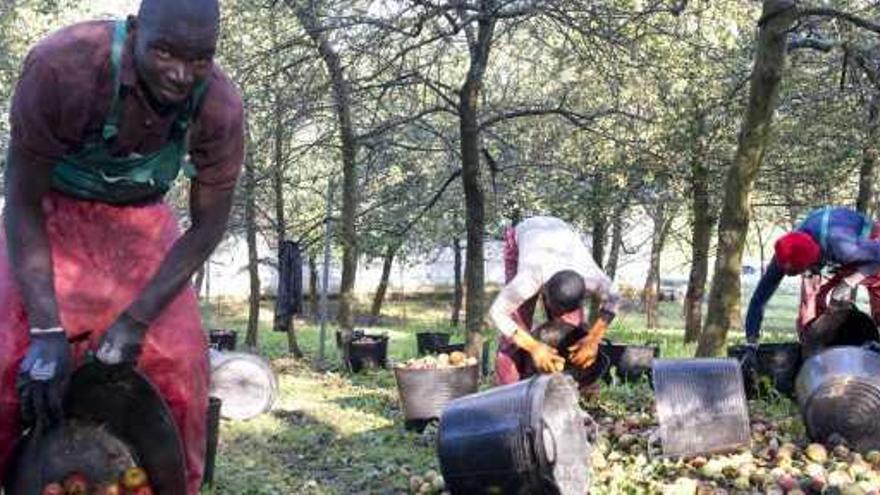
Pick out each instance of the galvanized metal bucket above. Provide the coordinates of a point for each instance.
(701, 406)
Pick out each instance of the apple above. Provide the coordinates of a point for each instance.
(53, 489)
(76, 484)
(143, 490)
(109, 489)
(134, 477)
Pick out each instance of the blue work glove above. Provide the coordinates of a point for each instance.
(43, 376)
(121, 343)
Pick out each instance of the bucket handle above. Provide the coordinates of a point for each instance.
(537, 446)
(546, 428)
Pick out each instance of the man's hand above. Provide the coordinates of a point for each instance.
(43, 376)
(584, 352)
(121, 343)
(546, 358)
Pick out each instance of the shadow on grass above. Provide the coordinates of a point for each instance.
(303, 454)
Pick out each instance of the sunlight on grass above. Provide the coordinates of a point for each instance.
(334, 433)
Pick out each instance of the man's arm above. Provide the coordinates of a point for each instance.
(27, 242)
(209, 209)
(604, 287)
(523, 286)
(850, 250)
(766, 287)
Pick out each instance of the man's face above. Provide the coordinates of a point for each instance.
(173, 55)
(791, 271)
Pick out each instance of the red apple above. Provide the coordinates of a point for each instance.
(76, 484)
(109, 489)
(143, 490)
(53, 489)
(134, 477)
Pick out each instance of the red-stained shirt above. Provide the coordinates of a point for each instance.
(64, 94)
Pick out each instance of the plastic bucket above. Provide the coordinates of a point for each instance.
(425, 392)
(368, 352)
(429, 342)
(223, 340)
(779, 362)
(244, 382)
(838, 391)
(213, 427)
(701, 406)
(450, 348)
(524, 438)
(632, 361)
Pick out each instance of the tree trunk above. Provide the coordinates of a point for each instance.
(313, 288)
(867, 174)
(701, 239)
(250, 216)
(458, 295)
(280, 217)
(379, 297)
(599, 230)
(342, 107)
(469, 99)
(616, 238)
(662, 224)
(724, 296)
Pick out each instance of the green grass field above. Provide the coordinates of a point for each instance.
(335, 433)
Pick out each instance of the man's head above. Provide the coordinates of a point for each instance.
(174, 46)
(564, 292)
(796, 252)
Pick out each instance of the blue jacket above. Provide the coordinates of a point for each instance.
(842, 235)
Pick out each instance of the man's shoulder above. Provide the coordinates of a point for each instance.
(84, 45)
(223, 99)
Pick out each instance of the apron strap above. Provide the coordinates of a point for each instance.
(823, 230)
(111, 125)
(867, 227)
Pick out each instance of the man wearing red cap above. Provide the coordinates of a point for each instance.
(828, 237)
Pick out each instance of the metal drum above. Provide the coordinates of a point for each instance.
(244, 382)
(838, 391)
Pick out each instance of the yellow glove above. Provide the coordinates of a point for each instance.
(546, 359)
(584, 352)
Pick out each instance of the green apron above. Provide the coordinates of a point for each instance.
(94, 174)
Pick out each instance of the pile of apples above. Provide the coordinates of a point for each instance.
(133, 481)
(455, 359)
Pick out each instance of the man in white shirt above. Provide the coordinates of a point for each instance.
(545, 256)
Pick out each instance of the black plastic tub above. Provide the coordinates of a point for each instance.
(779, 362)
(222, 339)
(425, 392)
(632, 362)
(368, 352)
(429, 342)
(450, 348)
(525, 438)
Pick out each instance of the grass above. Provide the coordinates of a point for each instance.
(336, 433)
